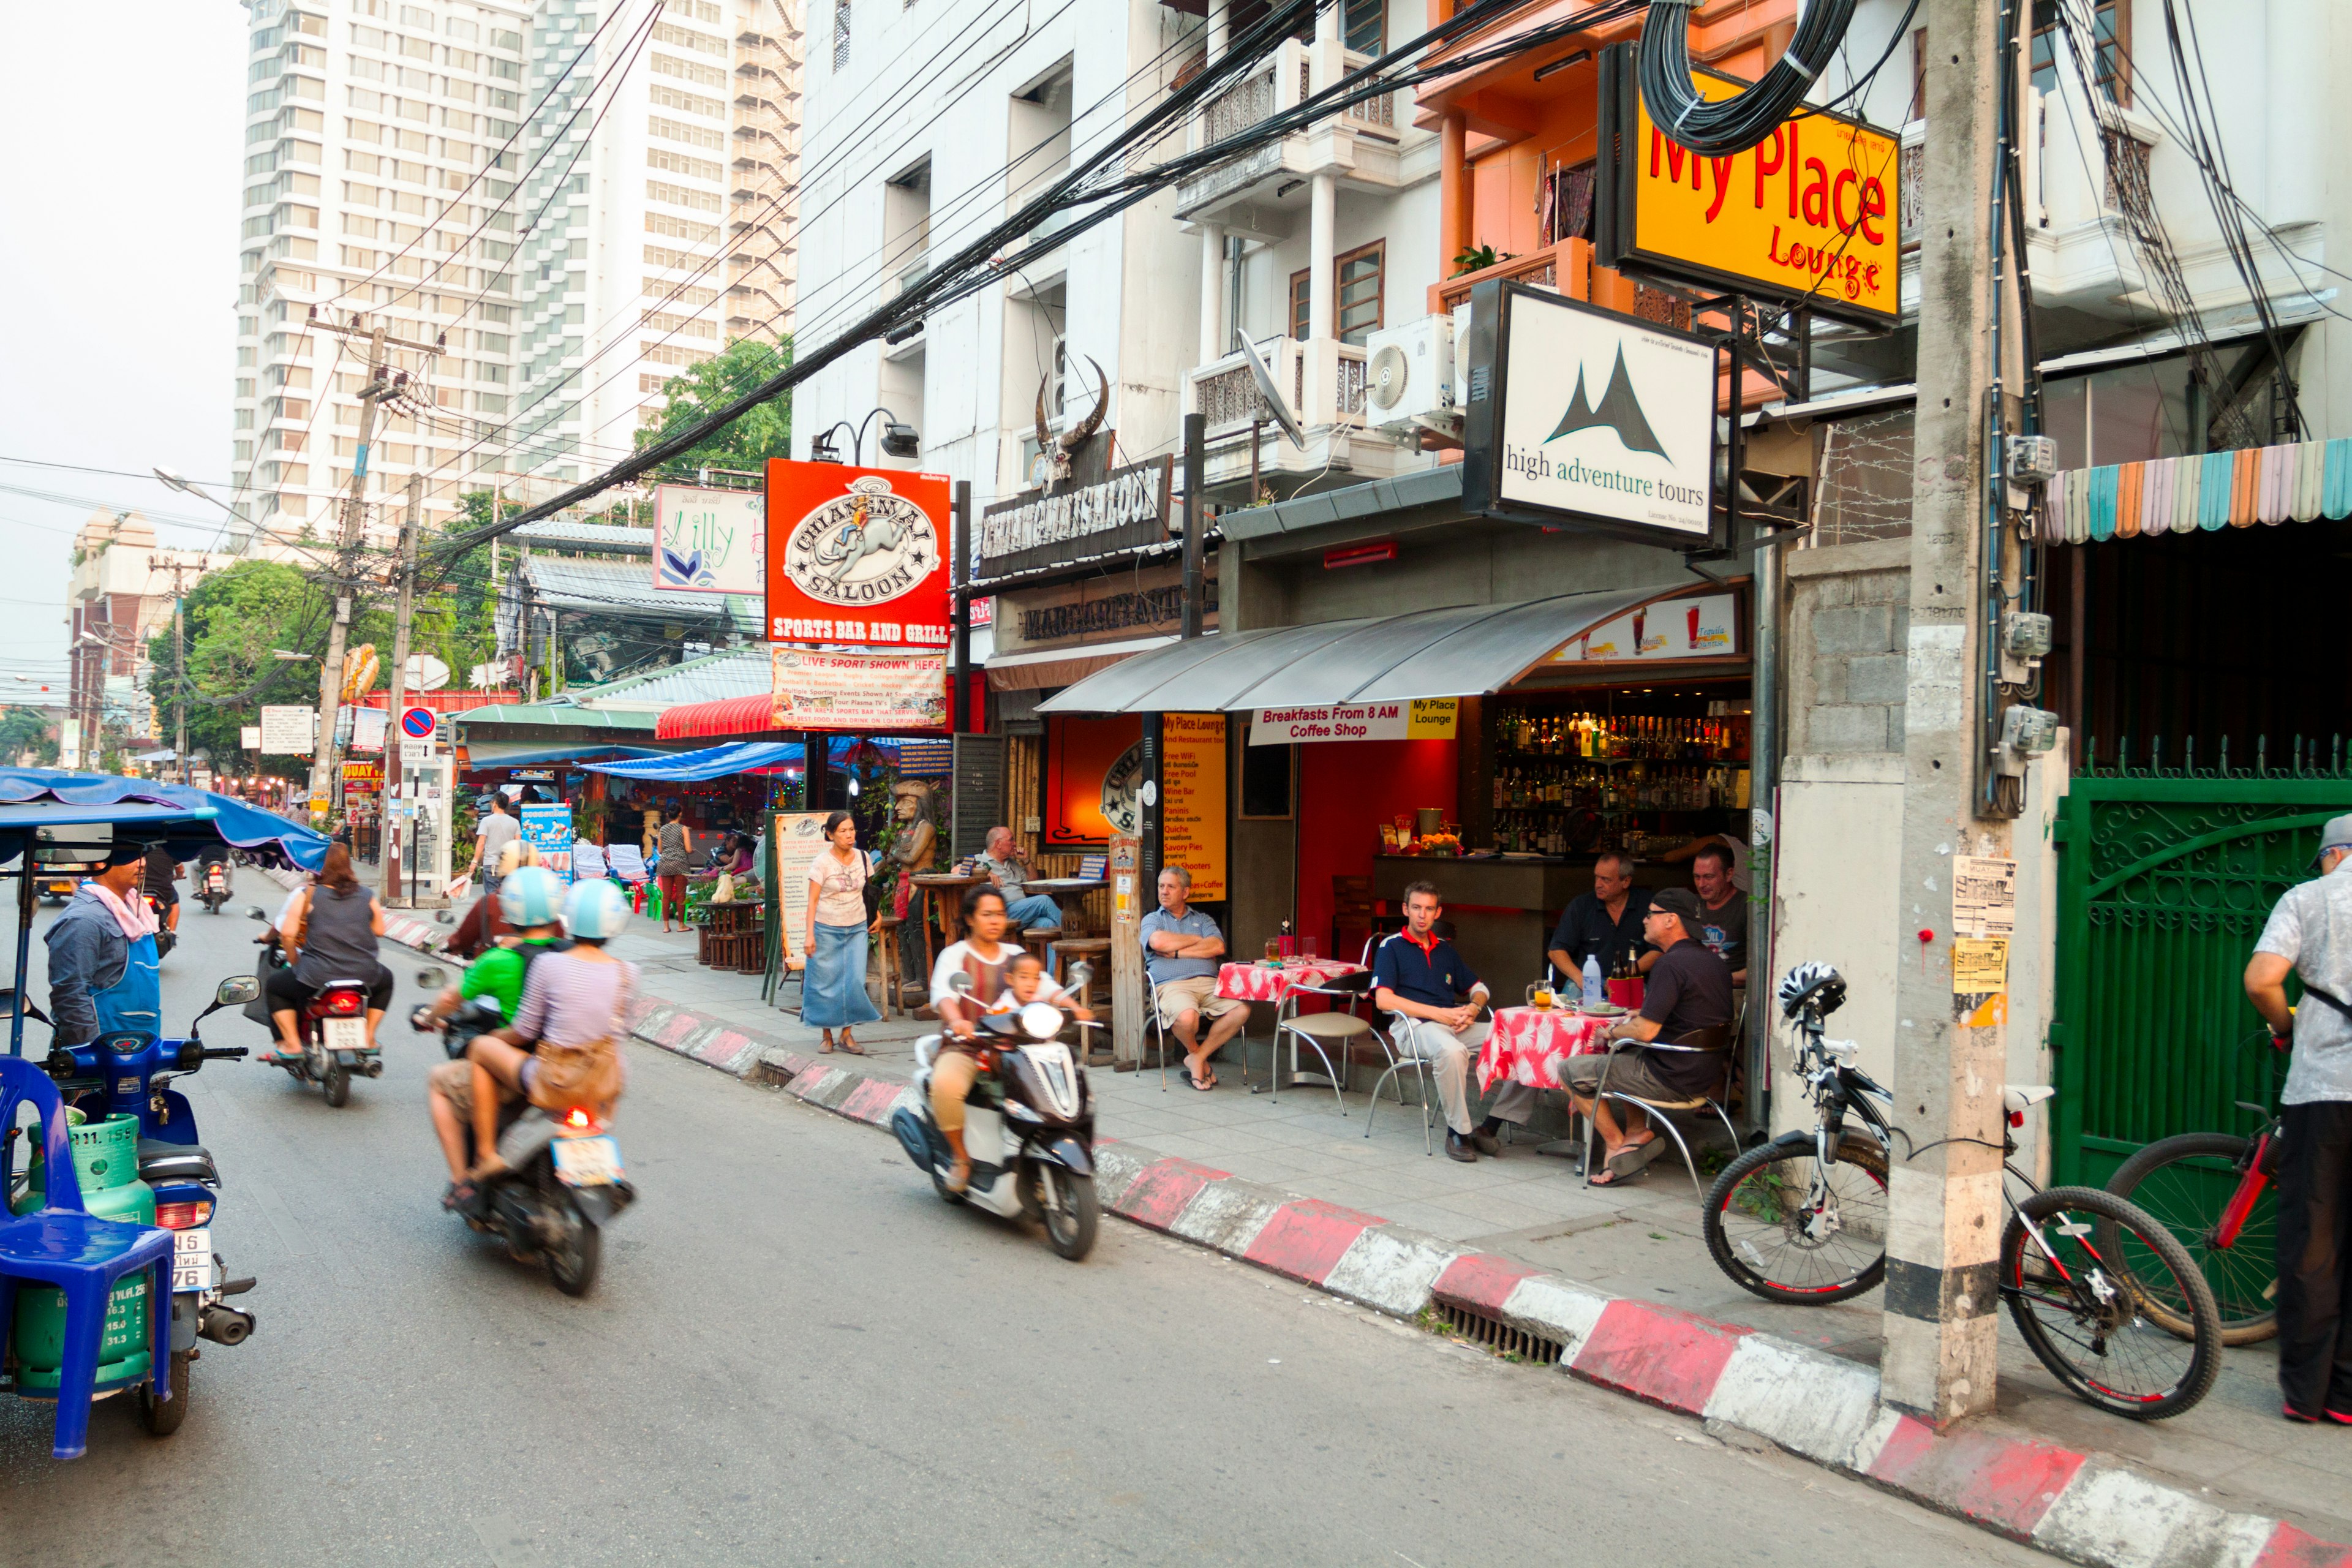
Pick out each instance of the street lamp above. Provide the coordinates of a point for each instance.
(239, 538)
(898, 440)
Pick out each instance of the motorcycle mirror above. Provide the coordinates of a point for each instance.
(255, 913)
(960, 982)
(429, 978)
(1082, 975)
(236, 991)
(1041, 1020)
(442, 917)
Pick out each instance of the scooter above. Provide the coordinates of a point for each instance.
(166, 940)
(212, 888)
(128, 1073)
(564, 1180)
(333, 1030)
(1029, 1125)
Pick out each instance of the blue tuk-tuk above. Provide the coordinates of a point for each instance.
(111, 1218)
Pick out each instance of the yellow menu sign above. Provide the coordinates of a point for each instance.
(1192, 806)
(1811, 213)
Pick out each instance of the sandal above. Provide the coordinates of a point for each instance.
(1203, 1085)
(1630, 1157)
(1611, 1177)
(852, 1046)
(458, 1196)
(825, 1047)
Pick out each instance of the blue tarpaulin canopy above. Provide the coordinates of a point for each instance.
(711, 763)
(179, 815)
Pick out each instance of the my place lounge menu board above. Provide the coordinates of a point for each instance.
(1192, 817)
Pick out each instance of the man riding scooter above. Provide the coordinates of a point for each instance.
(105, 975)
(530, 900)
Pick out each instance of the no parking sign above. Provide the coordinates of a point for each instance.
(419, 723)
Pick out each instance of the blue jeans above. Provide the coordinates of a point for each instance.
(1033, 909)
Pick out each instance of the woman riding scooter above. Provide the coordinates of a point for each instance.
(530, 902)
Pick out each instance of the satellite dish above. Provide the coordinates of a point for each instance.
(1275, 404)
(425, 673)
(1388, 370)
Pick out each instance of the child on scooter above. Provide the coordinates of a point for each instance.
(1025, 981)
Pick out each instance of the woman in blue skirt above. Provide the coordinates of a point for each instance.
(833, 992)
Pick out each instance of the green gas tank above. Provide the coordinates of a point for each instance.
(106, 1158)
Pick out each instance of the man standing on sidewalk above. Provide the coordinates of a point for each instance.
(2310, 934)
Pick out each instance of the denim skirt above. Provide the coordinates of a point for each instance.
(832, 993)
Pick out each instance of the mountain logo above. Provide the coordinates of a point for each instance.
(1619, 410)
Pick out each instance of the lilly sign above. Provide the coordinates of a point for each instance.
(710, 541)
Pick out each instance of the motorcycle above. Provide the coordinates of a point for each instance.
(564, 1180)
(333, 1027)
(1029, 1125)
(128, 1073)
(213, 885)
(164, 937)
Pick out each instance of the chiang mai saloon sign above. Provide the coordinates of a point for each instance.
(1809, 216)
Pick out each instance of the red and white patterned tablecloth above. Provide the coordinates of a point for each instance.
(1257, 983)
(1525, 1041)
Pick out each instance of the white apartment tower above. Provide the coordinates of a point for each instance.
(574, 201)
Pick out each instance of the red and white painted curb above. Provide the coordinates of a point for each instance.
(2075, 1505)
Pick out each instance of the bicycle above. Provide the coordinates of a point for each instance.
(1802, 1220)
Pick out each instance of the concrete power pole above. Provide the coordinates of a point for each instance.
(392, 838)
(179, 653)
(1945, 1203)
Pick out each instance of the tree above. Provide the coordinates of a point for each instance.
(29, 730)
(237, 619)
(754, 436)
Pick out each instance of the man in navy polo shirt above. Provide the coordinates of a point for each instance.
(1418, 977)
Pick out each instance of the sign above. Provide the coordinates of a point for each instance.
(363, 778)
(1984, 899)
(1423, 719)
(415, 752)
(1125, 509)
(1583, 414)
(290, 732)
(1140, 602)
(1192, 779)
(1980, 964)
(1706, 627)
(248, 736)
(547, 827)
(813, 690)
(1094, 774)
(983, 612)
(857, 555)
(531, 775)
(419, 723)
(797, 838)
(367, 728)
(1808, 216)
(709, 541)
(69, 742)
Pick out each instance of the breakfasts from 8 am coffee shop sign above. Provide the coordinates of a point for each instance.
(857, 556)
(1811, 214)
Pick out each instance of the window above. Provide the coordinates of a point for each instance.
(689, 71)
(1565, 204)
(2111, 38)
(1363, 26)
(1358, 278)
(840, 35)
(1919, 72)
(682, 164)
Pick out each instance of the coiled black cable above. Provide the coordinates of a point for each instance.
(1728, 125)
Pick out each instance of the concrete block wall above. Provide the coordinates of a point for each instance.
(1848, 623)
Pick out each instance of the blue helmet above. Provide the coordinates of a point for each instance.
(596, 910)
(530, 896)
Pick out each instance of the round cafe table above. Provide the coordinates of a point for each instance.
(942, 895)
(1526, 1043)
(1263, 982)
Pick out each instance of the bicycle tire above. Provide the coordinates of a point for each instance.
(2244, 1275)
(2053, 1311)
(1745, 1257)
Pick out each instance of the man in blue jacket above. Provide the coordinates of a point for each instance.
(104, 975)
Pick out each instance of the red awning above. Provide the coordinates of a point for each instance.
(727, 716)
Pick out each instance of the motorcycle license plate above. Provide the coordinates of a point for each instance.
(192, 1259)
(587, 1162)
(344, 1034)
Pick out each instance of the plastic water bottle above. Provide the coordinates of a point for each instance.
(1594, 995)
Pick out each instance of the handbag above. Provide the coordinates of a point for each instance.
(873, 891)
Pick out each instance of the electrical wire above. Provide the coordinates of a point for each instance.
(1720, 127)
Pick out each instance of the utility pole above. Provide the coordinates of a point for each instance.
(1945, 1201)
(388, 827)
(179, 653)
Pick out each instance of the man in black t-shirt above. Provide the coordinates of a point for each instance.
(1723, 910)
(1688, 992)
(161, 872)
(1606, 923)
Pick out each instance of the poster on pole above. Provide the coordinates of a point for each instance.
(814, 689)
(547, 827)
(797, 838)
(709, 541)
(248, 736)
(367, 728)
(289, 731)
(1192, 789)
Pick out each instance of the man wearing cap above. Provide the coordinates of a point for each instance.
(1688, 997)
(104, 975)
(2310, 934)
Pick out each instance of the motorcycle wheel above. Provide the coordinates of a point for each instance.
(337, 1082)
(1070, 1228)
(940, 1186)
(573, 1264)
(161, 1420)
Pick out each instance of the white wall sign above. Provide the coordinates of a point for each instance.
(1588, 415)
(250, 737)
(1423, 719)
(289, 731)
(1703, 628)
(710, 540)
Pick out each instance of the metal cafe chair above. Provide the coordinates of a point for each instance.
(1400, 1060)
(1321, 1032)
(1717, 1042)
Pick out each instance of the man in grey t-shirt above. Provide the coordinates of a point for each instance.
(2310, 934)
(497, 831)
(1183, 949)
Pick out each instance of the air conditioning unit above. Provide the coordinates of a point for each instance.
(1409, 377)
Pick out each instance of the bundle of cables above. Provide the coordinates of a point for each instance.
(1728, 125)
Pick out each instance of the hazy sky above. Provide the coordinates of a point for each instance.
(123, 157)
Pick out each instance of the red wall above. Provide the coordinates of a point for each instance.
(1346, 790)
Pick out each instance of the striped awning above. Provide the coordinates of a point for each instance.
(2297, 482)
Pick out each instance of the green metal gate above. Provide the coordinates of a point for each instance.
(2166, 876)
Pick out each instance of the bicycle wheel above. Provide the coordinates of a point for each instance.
(2086, 1319)
(1764, 1230)
(2186, 1183)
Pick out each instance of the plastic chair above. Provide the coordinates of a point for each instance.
(1714, 1042)
(64, 1245)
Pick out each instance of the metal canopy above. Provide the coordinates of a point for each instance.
(1463, 650)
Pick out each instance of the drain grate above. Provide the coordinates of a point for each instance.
(1498, 1336)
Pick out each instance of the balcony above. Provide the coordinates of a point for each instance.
(1358, 146)
(1324, 381)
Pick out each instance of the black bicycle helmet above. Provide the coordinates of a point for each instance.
(1812, 985)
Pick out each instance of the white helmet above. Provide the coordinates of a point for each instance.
(530, 896)
(596, 910)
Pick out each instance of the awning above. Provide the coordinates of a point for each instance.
(711, 763)
(1461, 651)
(529, 753)
(2298, 483)
(1040, 667)
(727, 716)
(183, 816)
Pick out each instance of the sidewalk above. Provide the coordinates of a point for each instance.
(1528, 1214)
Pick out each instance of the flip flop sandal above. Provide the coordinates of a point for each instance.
(1612, 1177)
(853, 1047)
(1630, 1159)
(1203, 1086)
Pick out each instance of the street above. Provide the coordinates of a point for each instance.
(797, 1353)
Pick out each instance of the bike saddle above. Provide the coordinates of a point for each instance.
(2017, 1099)
(162, 1162)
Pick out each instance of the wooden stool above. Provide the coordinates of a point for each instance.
(1096, 950)
(1038, 939)
(886, 964)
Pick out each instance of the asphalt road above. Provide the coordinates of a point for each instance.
(798, 1354)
